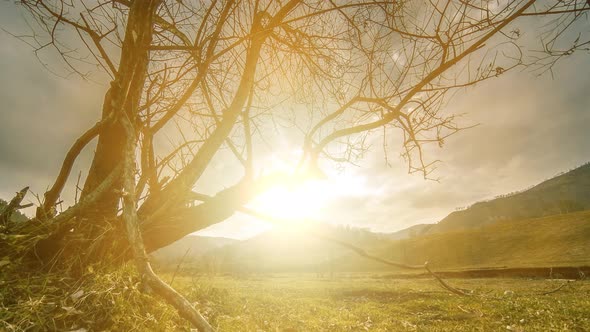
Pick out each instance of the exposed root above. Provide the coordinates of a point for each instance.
(185, 309)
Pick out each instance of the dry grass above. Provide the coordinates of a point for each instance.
(100, 300)
(110, 300)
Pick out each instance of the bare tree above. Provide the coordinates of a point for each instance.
(228, 75)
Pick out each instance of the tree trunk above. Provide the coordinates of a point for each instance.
(109, 152)
(83, 234)
(123, 97)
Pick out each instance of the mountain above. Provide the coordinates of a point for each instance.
(565, 193)
(192, 246)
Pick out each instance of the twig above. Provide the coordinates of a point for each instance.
(78, 190)
(178, 266)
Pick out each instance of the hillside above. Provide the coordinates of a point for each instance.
(559, 240)
(410, 232)
(568, 192)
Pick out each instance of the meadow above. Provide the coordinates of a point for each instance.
(367, 302)
(114, 300)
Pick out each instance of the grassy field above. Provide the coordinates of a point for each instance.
(371, 303)
(112, 300)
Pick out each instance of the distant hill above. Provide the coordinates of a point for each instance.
(288, 250)
(566, 193)
(410, 232)
(195, 245)
(558, 240)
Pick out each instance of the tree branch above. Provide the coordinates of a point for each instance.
(52, 194)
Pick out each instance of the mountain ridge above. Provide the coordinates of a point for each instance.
(564, 193)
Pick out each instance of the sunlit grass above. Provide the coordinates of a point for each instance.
(112, 300)
(359, 303)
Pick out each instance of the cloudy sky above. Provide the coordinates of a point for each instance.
(530, 128)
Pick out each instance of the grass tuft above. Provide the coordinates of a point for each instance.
(100, 300)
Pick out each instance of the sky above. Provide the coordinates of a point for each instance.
(530, 127)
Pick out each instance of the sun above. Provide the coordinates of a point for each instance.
(301, 201)
(296, 202)
(306, 201)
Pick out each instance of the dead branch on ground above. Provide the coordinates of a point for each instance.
(359, 251)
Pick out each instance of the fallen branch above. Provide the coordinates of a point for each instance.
(455, 290)
(556, 289)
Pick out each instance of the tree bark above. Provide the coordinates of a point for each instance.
(109, 152)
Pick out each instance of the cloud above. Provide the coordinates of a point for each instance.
(530, 129)
(41, 115)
